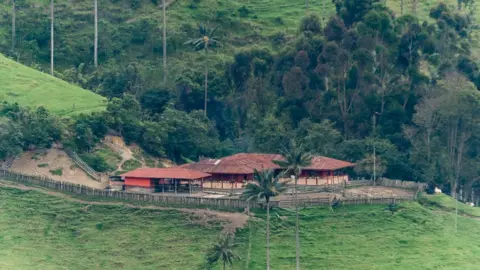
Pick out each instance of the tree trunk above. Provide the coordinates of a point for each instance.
(95, 46)
(164, 45)
(268, 234)
(247, 261)
(13, 26)
(414, 7)
(402, 3)
(206, 89)
(51, 38)
(297, 227)
(224, 263)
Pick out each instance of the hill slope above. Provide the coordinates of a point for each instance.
(29, 87)
(131, 31)
(113, 237)
(370, 237)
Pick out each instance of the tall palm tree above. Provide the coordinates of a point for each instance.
(294, 160)
(265, 186)
(207, 39)
(14, 13)
(51, 36)
(223, 250)
(95, 45)
(164, 41)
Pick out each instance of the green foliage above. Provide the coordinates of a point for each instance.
(97, 162)
(23, 129)
(222, 251)
(42, 165)
(264, 187)
(131, 164)
(11, 143)
(319, 83)
(58, 171)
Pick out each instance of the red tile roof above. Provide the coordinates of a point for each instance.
(244, 163)
(172, 173)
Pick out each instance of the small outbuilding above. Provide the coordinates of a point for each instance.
(163, 179)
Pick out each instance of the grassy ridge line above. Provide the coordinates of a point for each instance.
(29, 87)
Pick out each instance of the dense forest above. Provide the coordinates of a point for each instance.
(364, 78)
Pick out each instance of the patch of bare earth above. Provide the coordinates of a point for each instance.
(370, 191)
(231, 221)
(41, 164)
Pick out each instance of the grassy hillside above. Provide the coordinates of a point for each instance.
(370, 237)
(38, 231)
(44, 231)
(32, 88)
(132, 30)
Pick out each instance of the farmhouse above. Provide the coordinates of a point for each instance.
(236, 170)
(163, 179)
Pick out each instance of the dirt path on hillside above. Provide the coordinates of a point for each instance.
(232, 221)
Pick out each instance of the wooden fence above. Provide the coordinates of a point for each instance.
(344, 201)
(66, 187)
(385, 182)
(127, 196)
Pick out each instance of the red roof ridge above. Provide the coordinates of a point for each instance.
(245, 163)
(173, 172)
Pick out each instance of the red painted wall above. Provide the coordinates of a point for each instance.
(138, 182)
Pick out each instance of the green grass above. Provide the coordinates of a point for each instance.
(42, 165)
(32, 88)
(39, 231)
(58, 171)
(368, 237)
(448, 203)
(111, 157)
(131, 165)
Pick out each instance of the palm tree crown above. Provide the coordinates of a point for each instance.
(265, 186)
(295, 159)
(207, 38)
(223, 250)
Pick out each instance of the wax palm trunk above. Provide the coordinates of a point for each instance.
(268, 233)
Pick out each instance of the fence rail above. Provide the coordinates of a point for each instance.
(7, 163)
(84, 166)
(385, 182)
(127, 196)
(344, 201)
(45, 182)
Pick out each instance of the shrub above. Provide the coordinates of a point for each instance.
(58, 171)
(43, 165)
(131, 164)
(278, 20)
(311, 24)
(99, 226)
(243, 12)
(97, 162)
